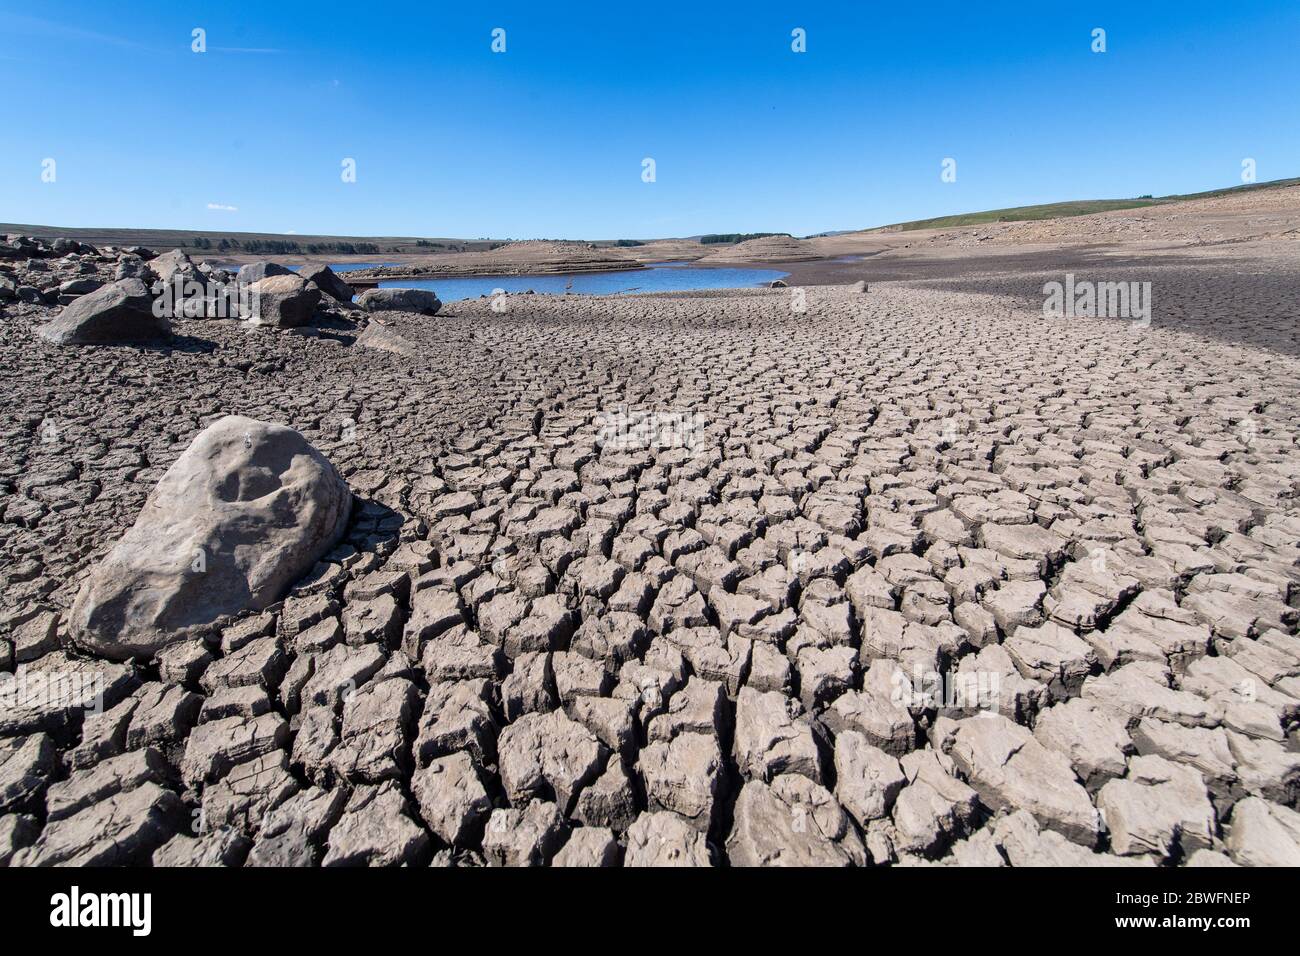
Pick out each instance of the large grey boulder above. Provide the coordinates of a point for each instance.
(170, 266)
(400, 300)
(257, 271)
(244, 512)
(283, 301)
(328, 281)
(119, 312)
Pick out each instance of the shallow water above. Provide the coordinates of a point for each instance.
(662, 277)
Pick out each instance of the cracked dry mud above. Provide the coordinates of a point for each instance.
(533, 648)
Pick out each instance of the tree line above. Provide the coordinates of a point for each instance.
(733, 237)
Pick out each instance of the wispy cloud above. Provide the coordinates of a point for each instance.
(19, 23)
(223, 207)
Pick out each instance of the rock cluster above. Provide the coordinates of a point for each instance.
(132, 296)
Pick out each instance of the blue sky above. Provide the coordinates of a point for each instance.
(547, 139)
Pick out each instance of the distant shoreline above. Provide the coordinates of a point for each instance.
(440, 271)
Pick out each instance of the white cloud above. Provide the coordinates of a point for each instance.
(223, 207)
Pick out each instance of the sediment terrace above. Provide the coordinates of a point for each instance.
(1076, 542)
(537, 257)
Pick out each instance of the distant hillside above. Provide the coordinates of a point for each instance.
(214, 243)
(269, 243)
(1078, 207)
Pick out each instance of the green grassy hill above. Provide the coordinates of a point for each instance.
(1078, 207)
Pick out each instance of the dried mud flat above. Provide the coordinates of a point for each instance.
(536, 646)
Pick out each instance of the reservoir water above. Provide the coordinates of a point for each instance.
(661, 277)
